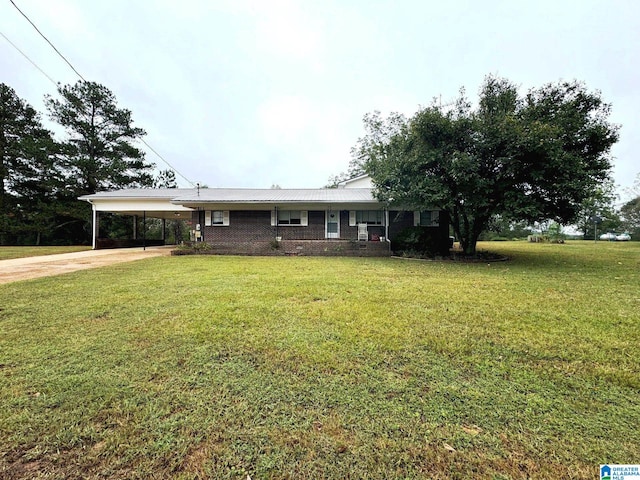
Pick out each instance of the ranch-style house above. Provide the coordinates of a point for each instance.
(346, 220)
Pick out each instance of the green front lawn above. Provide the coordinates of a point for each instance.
(7, 253)
(285, 367)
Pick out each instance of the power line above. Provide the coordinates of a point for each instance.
(83, 79)
(43, 36)
(30, 61)
(165, 161)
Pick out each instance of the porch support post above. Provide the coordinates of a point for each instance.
(386, 224)
(276, 216)
(144, 230)
(95, 225)
(135, 227)
(164, 230)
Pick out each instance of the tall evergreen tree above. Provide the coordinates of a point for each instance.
(165, 179)
(100, 151)
(30, 176)
(101, 154)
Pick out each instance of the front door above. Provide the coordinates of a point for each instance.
(333, 224)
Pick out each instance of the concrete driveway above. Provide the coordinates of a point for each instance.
(17, 269)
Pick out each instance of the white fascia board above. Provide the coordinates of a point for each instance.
(285, 205)
(140, 205)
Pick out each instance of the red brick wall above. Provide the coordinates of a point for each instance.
(252, 226)
(398, 221)
(252, 232)
(325, 248)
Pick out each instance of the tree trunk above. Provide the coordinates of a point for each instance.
(470, 248)
(469, 236)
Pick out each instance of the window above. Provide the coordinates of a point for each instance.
(427, 218)
(290, 217)
(216, 217)
(370, 217)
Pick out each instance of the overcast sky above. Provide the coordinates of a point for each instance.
(250, 93)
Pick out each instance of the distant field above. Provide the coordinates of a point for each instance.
(7, 253)
(337, 368)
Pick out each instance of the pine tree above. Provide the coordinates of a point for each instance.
(30, 176)
(100, 147)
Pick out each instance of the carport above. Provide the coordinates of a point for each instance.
(138, 203)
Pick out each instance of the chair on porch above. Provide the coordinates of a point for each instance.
(363, 232)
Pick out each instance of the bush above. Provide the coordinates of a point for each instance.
(193, 248)
(421, 241)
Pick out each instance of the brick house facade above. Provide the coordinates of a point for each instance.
(338, 221)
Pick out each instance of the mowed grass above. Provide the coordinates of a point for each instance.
(336, 368)
(7, 253)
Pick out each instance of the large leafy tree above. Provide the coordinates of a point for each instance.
(599, 204)
(101, 151)
(531, 158)
(30, 177)
(630, 213)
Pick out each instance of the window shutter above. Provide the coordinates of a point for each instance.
(225, 218)
(304, 218)
(207, 218)
(435, 217)
(274, 218)
(352, 218)
(416, 218)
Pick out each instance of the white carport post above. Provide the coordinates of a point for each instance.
(94, 223)
(386, 224)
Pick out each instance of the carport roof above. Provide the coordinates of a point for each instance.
(139, 193)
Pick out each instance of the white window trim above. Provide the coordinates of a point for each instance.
(353, 216)
(304, 218)
(208, 218)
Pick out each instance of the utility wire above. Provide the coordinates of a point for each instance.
(83, 79)
(30, 61)
(165, 161)
(43, 36)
